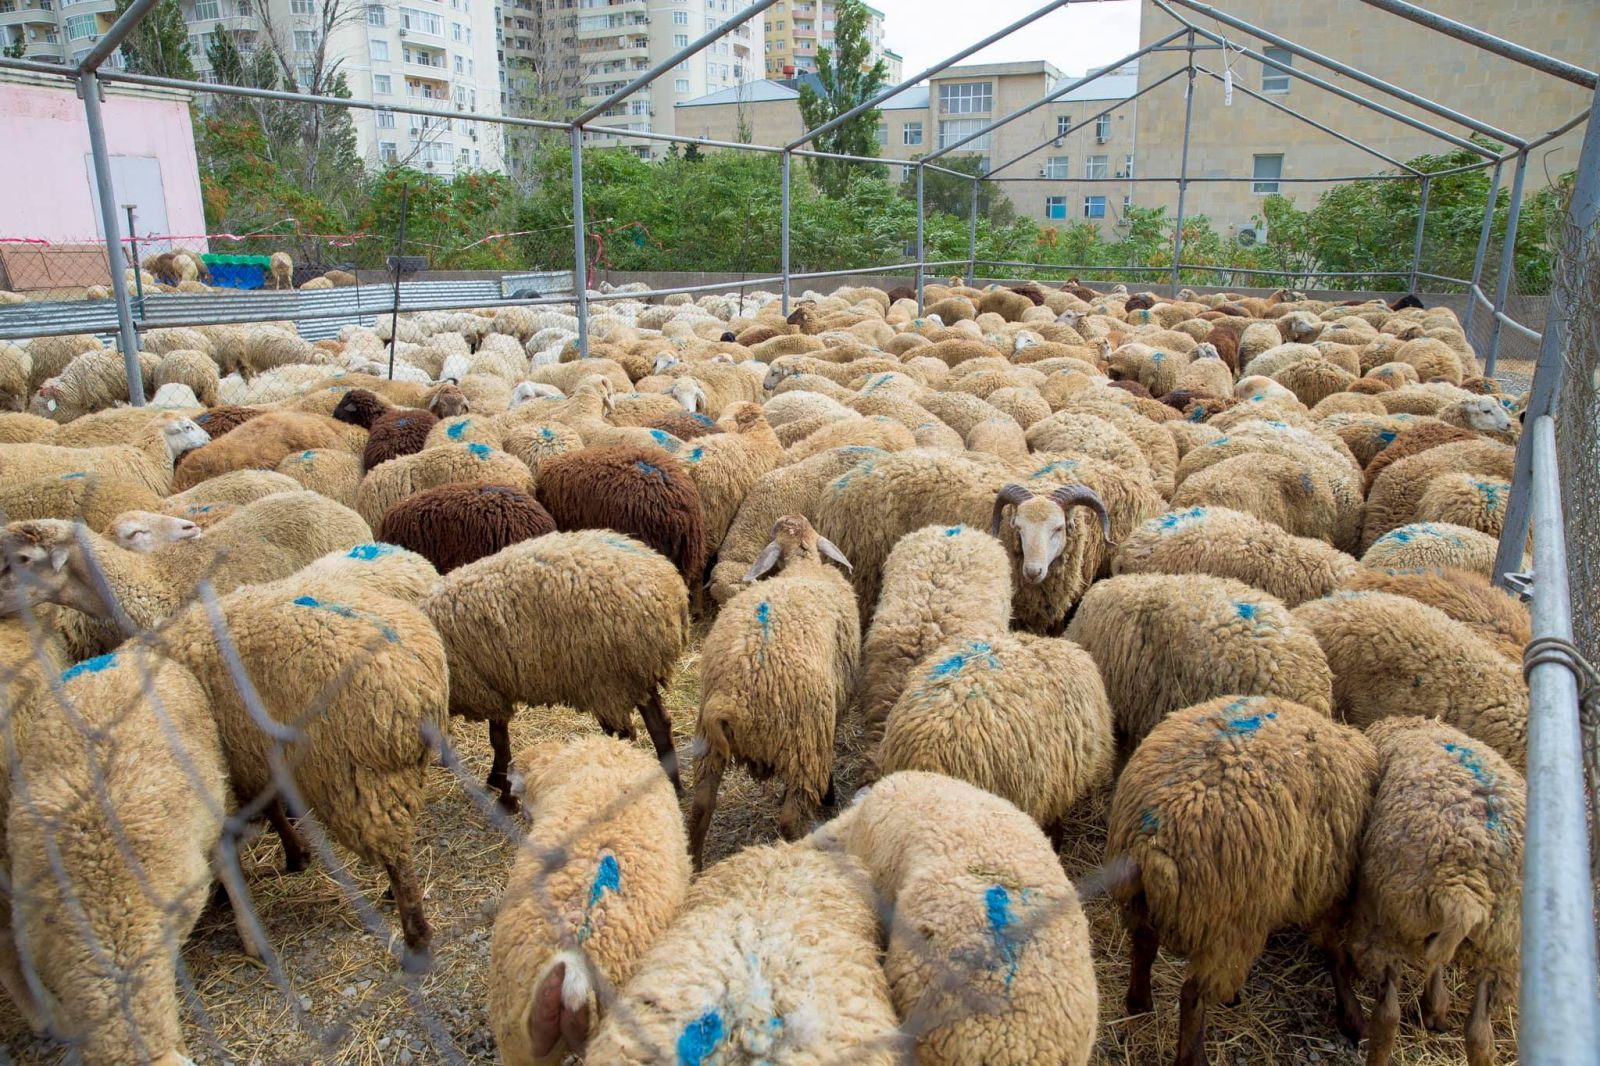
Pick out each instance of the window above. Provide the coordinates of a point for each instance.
(460, 66)
(681, 85)
(953, 130)
(382, 85)
(680, 18)
(911, 133)
(1127, 165)
(422, 21)
(387, 151)
(207, 9)
(1063, 124)
(379, 50)
(969, 98)
(882, 134)
(1102, 128)
(1127, 202)
(1094, 207)
(455, 31)
(1269, 168)
(1096, 167)
(680, 40)
(79, 27)
(1056, 167)
(1055, 207)
(385, 120)
(375, 15)
(298, 7)
(1274, 80)
(305, 40)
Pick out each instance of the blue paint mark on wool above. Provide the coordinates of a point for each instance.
(547, 434)
(976, 650)
(479, 450)
(1247, 611)
(1198, 414)
(661, 437)
(89, 666)
(1494, 806)
(703, 420)
(1179, 519)
(455, 431)
(649, 468)
(1149, 821)
(954, 531)
(73, 477)
(1387, 436)
(1305, 481)
(368, 552)
(306, 457)
(997, 906)
(764, 618)
(402, 421)
(696, 455)
(1060, 466)
(345, 611)
(1399, 536)
(1491, 494)
(700, 1039)
(607, 878)
(1244, 725)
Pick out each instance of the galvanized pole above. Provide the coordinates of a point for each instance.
(1487, 41)
(133, 254)
(788, 167)
(399, 252)
(1416, 243)
(922, 251)
(1483, 250)
(1183, 167)
(1508, 264)
(972, 237)
(580, 247)
(89, 89)
(1559, 1013)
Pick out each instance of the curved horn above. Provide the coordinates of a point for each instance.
(1012, 494)
(1070, 496)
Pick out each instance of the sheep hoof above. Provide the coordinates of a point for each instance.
(508, 802)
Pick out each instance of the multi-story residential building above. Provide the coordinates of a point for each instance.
(1065, 164)
(1250, 140)
(797, 29)
(562, 56)
(436, 54)
(55, 31)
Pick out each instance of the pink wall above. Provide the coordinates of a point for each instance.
(45, 179)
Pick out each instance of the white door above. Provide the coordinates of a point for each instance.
(136, 180)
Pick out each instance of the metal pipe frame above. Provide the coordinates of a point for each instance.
(1079, 125)
(694, 47)
(113, 37)
(922, 248)
(972, 236)
(1422, 228)
(788, 166)
(580, 243)
(1337, 90)
(1508, 264)
(1314, 124)
(912, 82)
(1353, 73)
(1050, 98)
(89, 89)
(1183, 170)
(1483, 246)
(1488, 42)
(1227, 178)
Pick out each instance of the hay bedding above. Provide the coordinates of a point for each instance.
(349, 1004)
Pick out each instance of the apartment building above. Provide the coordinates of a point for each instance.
(1252, 140)
(436, 54)
(563, 56)
(797, 29)
(1060, 164)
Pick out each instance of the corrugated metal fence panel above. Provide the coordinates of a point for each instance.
(540, 283)
(320, 312)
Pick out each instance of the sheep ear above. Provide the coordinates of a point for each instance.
(764, 562)
(58, 558)
(831, 551)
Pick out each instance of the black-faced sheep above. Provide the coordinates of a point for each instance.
(452, 525)
(641, 492)
(1234, 818)
(391, 432)
(777, 671)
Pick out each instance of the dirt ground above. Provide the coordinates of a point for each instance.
(345, 1001)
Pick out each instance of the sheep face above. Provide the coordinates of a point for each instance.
(527, 391)
(665, 362)
(145, 531)
(183, 435)
(688, 392)
(448, 401)
(1042, 523)
(360, 407)
(1206, 350)
(794, 538)
(34, 558)
(1486, 415)
(774, 378)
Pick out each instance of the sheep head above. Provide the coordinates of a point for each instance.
(360, 407)
(665, 362)
(601, 386)
(447, 401)
(42, 561)
(793, 537)
(1041, 523)
(744, 416)
(182, 435)
(1206, 350)
(688, 392)
(527, 391)
(145, 531)
(1485, 414)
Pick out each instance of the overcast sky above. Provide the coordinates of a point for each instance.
(1073, 38)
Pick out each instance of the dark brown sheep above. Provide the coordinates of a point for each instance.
(396, 432)
(1140, 302)
(361, 407)
(1132, 387)
(1224, 337)
(1369, 386)
(1030, 290)
(219, 420)
(686, 426)
(902, 292)
(1204, 408)
(1411, 441)
(642, 492)
(1410, 299)
(453, 525)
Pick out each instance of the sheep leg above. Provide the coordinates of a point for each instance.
(829, 798)
(1435, 1000)
(1351, 1021)
(295, 855)
(1191, 1026)
(1480, 1030)
(707, 780)
(1142, 955)
(500, 741)
(658, 723)
(408, 900)
(797, 810)
(1384, 1022)
(246, 937)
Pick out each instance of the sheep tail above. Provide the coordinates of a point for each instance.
(1462, 914)
(560, 1010)
(716, 719)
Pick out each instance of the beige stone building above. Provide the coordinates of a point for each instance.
(797, 29)
(1251, 140)
(1063, 167)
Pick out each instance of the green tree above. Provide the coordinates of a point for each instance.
(159, 43)
(849, 78)
(16, 48)
(953, 195)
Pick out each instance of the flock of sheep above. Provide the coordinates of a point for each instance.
(1225, 558)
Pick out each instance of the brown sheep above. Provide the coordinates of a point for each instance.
(1410, 442)
(259, 444)
(642, 492)
(1468, 597)
(459, 523)
(391, 431)
(686, 426)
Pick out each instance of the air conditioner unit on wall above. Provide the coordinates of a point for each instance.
(1250, 236)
